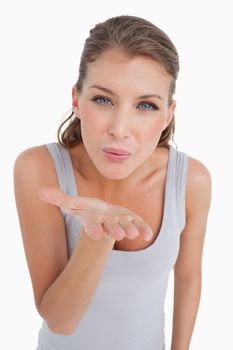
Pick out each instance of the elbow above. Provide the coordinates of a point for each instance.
(57, 322)
(61, 329)
(188, 277)
(189, 282)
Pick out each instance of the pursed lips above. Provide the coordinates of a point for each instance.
(116, 151)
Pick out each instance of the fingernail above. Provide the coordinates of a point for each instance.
(148, 236)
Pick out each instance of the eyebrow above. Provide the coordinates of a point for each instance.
(113, 93)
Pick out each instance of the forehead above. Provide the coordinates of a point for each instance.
(115, 69)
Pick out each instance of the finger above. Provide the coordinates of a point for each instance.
(130, 230)
(112, 228)
(54, 196)
(94, 230)
(144, 229)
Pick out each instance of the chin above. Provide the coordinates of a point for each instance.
(113, 174)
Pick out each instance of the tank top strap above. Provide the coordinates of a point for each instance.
(178, 170)
(64, 168)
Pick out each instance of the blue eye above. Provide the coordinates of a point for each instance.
(154, 107)
(96, 98)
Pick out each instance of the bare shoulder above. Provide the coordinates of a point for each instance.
(198, 170)
(199, 182)
(34, 158)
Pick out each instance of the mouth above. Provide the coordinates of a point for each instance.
(116, 157)
(119, 152)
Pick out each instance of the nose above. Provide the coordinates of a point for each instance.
(120, 126)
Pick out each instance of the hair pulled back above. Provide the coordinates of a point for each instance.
(133, 36)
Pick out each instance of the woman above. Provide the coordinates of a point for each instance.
(108, 211)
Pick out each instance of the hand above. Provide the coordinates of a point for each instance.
(99, 218)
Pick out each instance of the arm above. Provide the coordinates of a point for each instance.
(65, 302)
(187, 270)
(63, 288)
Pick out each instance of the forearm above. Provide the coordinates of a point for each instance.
(186, 303)
(67, 299)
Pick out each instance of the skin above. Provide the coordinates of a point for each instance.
(137, 124)
(138, 130)
(99, 218)
(137, 127)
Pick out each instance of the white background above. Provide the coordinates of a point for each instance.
(41, 44)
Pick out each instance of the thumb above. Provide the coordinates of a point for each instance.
(53, 195)
(69, 204)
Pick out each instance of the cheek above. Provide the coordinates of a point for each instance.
(151, 131)
(91, 123)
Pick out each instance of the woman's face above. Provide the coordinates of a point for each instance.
(113, 115)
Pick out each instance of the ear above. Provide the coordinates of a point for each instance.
(170, 114)
(75, 106)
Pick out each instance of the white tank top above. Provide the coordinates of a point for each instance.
(127, 310)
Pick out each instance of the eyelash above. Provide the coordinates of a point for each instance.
(155, 107)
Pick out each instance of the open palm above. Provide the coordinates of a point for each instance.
(98, 217)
